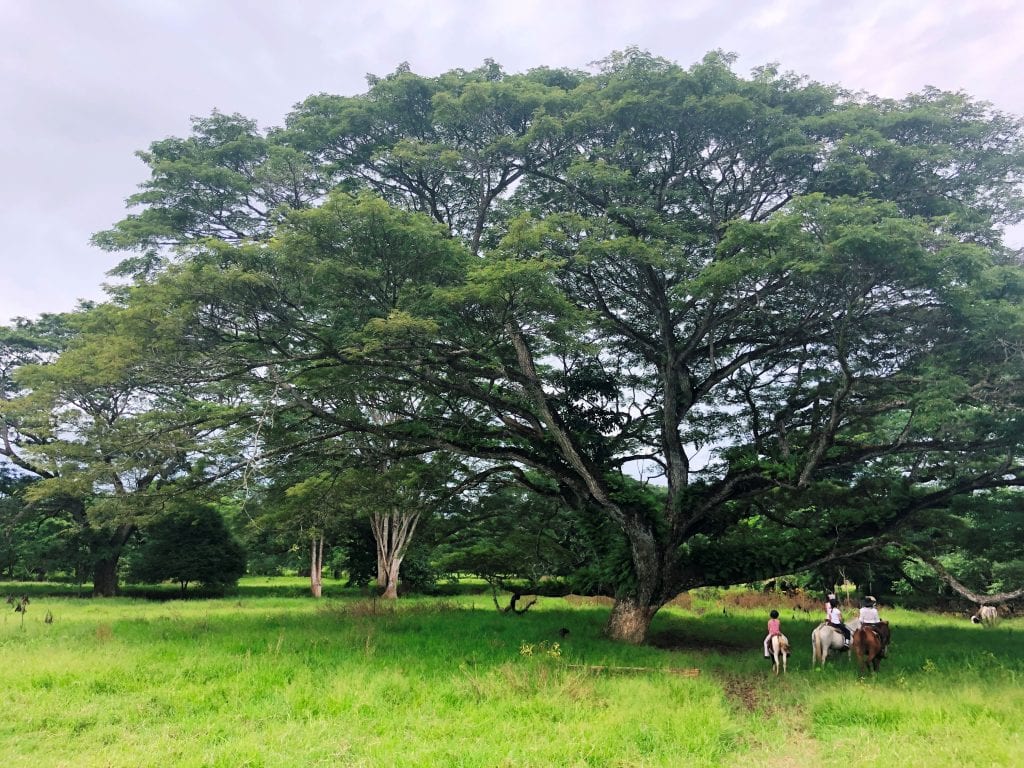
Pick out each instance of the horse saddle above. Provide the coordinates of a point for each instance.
(876, 629)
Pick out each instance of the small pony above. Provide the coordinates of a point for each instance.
(780, 652)
(868, 646)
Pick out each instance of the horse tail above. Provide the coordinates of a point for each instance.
(815, 648)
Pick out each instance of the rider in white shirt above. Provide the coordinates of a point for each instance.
(835, 620)
(868, 612)
(830, 600)
(869, 617)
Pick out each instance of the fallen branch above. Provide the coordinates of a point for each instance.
(517, 595)
(963, 591)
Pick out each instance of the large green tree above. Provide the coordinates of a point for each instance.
(89, 415)
(786, 304)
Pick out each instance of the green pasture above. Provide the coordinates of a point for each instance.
(270, 677)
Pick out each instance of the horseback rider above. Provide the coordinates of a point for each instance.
(835, 620)
(830, 600)
(774, 628)
(869, 618)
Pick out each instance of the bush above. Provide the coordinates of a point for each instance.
(192, 544)
(417, 573)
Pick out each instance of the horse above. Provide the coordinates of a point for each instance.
(824, 638)
(987, 615)
(868, 645)
(780, 652)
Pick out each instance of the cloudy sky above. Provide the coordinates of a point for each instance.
(86, 83)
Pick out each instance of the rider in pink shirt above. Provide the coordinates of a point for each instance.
(774, 628)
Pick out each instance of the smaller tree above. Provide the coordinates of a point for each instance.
(529, 542)
(395, 494)
(314, 508)
(191, 544)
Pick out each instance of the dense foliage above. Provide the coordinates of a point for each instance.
(189, 544)
(749, 325)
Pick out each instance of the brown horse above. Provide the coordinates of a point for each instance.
(869, 647)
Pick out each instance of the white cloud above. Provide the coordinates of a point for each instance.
(84, 85)
(779, 13)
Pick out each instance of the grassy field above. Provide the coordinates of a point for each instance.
(269, 677)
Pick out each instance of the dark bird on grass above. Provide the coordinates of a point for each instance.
(563, 632)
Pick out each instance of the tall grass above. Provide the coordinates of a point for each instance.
(262, 679)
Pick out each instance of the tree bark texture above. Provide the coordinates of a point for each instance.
(630, 621)
(316, 565)
(391, 589)
(104, 577)
(632, 613)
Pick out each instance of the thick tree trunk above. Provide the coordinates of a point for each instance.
(104, 577)
(632, 613)
(104, 573)
(316, 566)
(630, 621)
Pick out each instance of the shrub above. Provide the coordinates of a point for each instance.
(192, 544)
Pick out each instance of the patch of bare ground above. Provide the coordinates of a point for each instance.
(744, 692)
(674, 640)
(751, 694)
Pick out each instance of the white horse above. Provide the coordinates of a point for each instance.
(780, 652)
(987, 615)
(825, 639)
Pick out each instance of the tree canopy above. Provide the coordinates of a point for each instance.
(753, 324)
